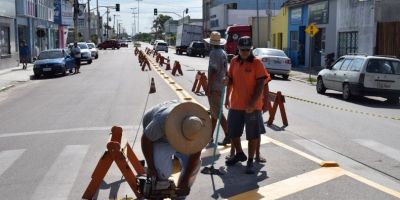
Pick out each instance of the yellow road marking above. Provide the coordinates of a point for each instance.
(292, 185)
(373, 184)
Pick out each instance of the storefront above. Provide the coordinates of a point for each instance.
(297, 46)
(8, 55)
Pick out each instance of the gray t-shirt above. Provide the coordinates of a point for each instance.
(154, 121)
(218, 64)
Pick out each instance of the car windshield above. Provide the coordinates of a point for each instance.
(91, 46)
(82, 46)
(50, 55)
(381, 66)
(198, 45)
(161, 44)
(271, 52)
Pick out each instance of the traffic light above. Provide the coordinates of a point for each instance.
(155, 11)
(117, 7)
(187, 10)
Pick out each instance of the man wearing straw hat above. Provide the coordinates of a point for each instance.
(175, 129)
(217, 72)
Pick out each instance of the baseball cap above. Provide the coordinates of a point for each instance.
(245, 42)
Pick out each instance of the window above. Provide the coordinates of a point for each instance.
(5, 47)
(381, 66)
(279, 41)
(338, 64)
(356, 65)
(347, 43)
(346, 64)
(274, 40)
(294, 40)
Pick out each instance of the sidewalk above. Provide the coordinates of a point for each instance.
(12, 76)
(302, 75)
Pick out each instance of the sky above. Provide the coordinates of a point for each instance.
(146, 11)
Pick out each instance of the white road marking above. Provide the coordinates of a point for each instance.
(348, 164)
(78, 130)
(7, 158)
(381, 148)
(59, 180)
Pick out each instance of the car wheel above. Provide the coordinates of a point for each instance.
(64, 72)
(346, 92)
(70, 71)
(96, 57)
(90, 62)
(393, 100)
(36, 75)
(321, 89)
(285, 76)
(113, 48)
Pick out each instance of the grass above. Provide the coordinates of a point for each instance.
(311, 79)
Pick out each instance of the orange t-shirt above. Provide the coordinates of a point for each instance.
(244, 78)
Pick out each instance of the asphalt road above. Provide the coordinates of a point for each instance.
(54, 130)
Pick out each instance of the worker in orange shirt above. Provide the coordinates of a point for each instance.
(244, 100)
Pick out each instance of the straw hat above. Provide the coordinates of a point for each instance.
(188, 128)
(215, 39)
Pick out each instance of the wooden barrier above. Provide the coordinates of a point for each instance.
(122, 157)
(200, 82)
(177, 67)
(279, 101)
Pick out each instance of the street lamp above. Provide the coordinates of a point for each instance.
(138, 1)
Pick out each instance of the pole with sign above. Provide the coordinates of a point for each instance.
(311, 30)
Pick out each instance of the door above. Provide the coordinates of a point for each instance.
(331, 77)
(318, 45)
(342, 75)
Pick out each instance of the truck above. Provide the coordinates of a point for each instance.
(187, 33)
(234, 32)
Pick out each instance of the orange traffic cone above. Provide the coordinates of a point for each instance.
(152, 87)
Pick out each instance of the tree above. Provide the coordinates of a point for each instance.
(158, 24)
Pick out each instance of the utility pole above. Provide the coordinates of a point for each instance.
(258, 27)
(89, 19)
(138, 20)
(76, 11)
(98, 22)
(134, 21)
(269, 22)
(108, 12)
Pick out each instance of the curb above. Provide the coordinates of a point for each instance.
(301, 80)
(6, 88)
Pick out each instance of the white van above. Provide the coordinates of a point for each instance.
(161, 46)
(361, 75)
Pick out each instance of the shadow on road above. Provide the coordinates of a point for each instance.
(366, 101)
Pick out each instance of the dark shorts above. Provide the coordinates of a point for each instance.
(77, 63)
(238, 119)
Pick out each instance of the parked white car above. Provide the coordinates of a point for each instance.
(155, 43)
(93, 50)
(161, 46)
(361, 75)
(275, 60)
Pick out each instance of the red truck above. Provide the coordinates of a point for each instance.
(233, 33)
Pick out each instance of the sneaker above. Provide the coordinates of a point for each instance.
(239, 157)
(260, 159)
(225, 142)
(249, 167)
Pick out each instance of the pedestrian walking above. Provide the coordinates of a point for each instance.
(175, 129)
(23, 54)
(244, 100)
(217, 72)
(76, 54)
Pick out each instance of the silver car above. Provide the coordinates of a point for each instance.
(161, 46)
(93, 50)
(275, 60)
(362, 75)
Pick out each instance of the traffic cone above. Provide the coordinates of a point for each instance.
(152, 87)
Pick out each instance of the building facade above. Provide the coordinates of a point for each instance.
(219, 14)
(8, 45)
(302, 49)
(63, 17)
(279, 29)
